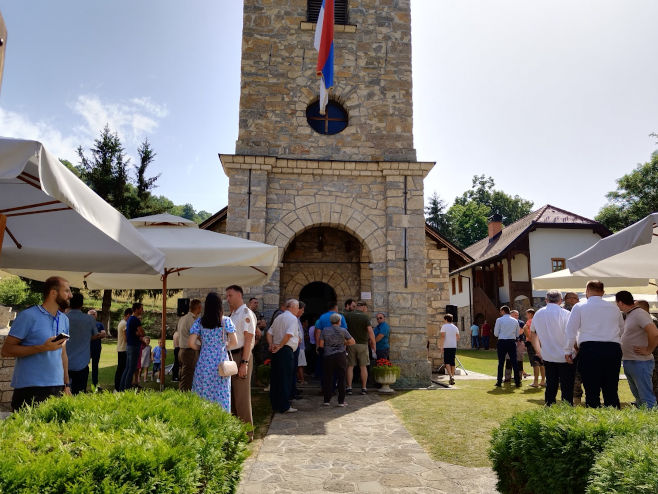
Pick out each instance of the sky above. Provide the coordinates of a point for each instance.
(553, 99)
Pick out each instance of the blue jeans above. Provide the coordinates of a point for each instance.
(132, 359)
(475, 341)
(639, 374)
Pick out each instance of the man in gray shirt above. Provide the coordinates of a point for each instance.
(334, 340)
(82, 329)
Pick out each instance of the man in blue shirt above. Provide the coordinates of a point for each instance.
(96, 348)
(82, 328)
(41, 362)
(134, 334)
(382, 332)
(507, 330)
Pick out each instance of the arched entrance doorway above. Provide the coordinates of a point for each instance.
(318, 297)
(324, 263)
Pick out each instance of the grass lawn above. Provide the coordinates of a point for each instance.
(455, 425)
(486, 361)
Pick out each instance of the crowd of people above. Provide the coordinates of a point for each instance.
(573, 344)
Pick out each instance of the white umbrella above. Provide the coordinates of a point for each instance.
(194, 258)
(566, 281)
(632, 252)
(54, 221)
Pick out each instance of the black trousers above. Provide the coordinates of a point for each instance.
(95, 359)
(33, 395)
(78, 380)
(121, 366)
(176, 368)
(559, 375)
(599, 363)
(281, 379)
(334, 365)
(507, 347)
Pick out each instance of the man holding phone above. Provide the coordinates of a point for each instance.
(34, 339)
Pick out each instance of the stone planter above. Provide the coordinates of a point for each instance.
(386, 379)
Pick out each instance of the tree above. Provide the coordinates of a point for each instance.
(636, 197)
(465, 222)
(511, 208)
(436, 217)
(106, 172)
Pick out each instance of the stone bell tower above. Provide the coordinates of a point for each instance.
(340, 194)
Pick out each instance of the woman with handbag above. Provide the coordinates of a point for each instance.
(214, 334)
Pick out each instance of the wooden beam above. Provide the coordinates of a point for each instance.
(3, 225)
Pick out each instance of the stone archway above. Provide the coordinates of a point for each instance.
(329, 256)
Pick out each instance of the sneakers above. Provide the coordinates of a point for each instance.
(364, 391)
(452, 380)
(326, 403)
(290, 410)
(341, 404)
(498, 384)
(348, 391)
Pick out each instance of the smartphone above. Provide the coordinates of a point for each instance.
(61, 336)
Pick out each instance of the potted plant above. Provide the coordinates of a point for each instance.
(385, 373)
(263, 373)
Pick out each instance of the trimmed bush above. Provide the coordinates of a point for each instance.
(13, 291)
(122, 442)
(553, 449)
(628, 465)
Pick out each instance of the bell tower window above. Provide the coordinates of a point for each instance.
(340, 11)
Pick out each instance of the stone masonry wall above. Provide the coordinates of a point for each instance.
(438, 297)
(372, 81)
(6, 372)
(366, 200)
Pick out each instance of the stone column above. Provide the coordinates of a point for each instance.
(6, 373)
(407, 277)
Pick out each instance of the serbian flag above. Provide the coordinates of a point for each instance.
(324, 43)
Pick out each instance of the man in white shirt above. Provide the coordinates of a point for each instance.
(548, 337)
(507, 330)
(244, 321)
(596, 327)
(448, 345)
(284, 332)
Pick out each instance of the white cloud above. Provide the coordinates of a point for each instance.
(14, 124)
(133, 120)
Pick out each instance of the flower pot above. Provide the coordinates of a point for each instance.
(386, 379)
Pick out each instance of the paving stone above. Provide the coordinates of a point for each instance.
(361, 448)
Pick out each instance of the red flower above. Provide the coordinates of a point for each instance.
(383, 362)
(267, 361)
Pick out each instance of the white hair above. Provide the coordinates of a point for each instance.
(292, 303)
(553, 296)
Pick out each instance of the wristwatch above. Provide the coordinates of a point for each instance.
(244, 361)
(67, 385)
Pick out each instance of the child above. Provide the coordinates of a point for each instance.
(157, 359)
(448, 345)
(145, 361)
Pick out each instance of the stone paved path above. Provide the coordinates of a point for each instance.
(360, 448)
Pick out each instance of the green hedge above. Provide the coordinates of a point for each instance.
(553, 449)
(123, 443)
(628, 465)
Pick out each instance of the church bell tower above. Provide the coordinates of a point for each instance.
(340, 194)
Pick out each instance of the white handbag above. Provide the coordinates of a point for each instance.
(227, 368)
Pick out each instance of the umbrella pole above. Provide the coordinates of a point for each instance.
(3, 224)
(163, 336)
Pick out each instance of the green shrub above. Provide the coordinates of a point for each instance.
(378, 372)
(628, 465)
(13, 291)
(122, 442)
(553, 449)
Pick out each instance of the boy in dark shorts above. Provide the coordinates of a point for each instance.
(448, 345)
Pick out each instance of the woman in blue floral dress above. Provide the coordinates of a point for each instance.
(208, 333)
